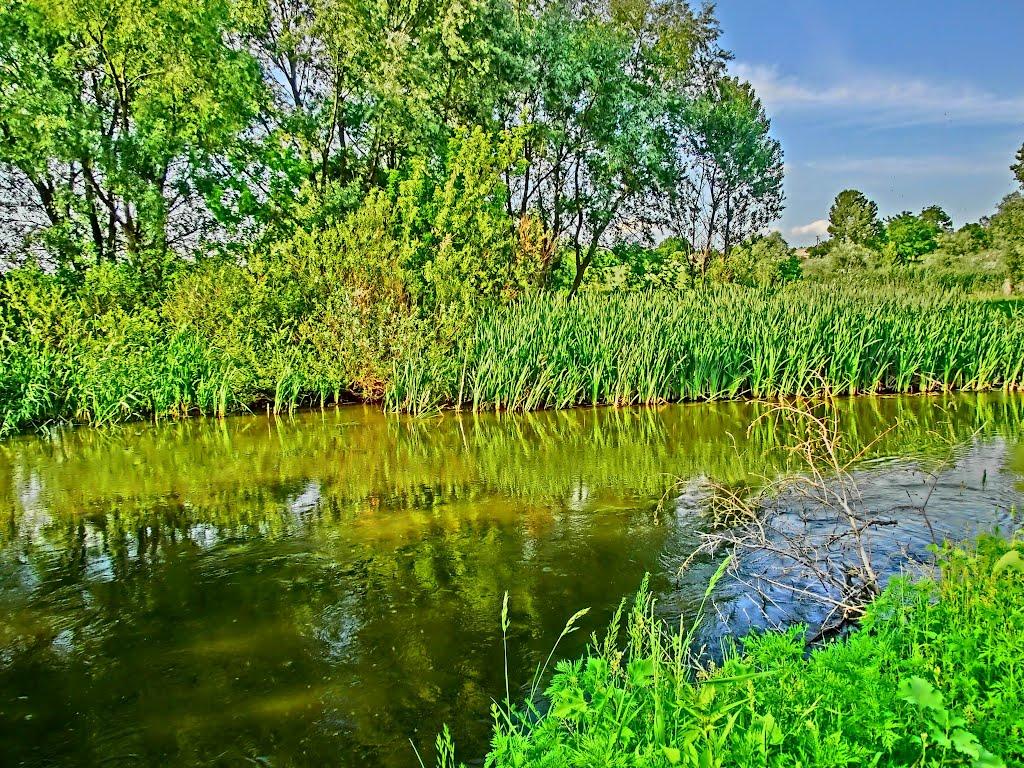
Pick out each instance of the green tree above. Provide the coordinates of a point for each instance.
(1018, 166)
(760, 262)
(734, 188)
(845, 256)
(1007, 226)
(108, 113)
(600, 83)
(938, 218)
(854, 219)
(360, 88)
(908, 238)
(971, 238)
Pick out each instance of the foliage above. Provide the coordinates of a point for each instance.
(848, 255)
(1008, 234)
(330, 313)
(632, 266)
(158, 133)
(853, 218)
(933, 678)
(109, 114)
(908, 237)
(969, 239)
(938, 218)
(736, 189)
(761, 262)
(1018, 166)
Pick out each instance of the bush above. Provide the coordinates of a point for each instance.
(846, 256)
(763, 262)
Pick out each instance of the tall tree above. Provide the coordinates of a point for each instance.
(854, 219)
(601, 83)
(938, 218)
(908, 238)
(359, 88)
(108, 110)
(1018, 167)
(732, 188)
(1007, 226)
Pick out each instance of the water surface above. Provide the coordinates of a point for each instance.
(320, 589)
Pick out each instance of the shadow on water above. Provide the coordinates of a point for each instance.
(317, 590)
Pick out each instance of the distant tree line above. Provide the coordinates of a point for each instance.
(860, 240)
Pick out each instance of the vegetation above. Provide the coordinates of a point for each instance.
(932, 678)
(724, 343)
(241, 203)
(222, 341)
(912, 249)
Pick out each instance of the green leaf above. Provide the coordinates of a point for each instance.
(919, 691)
(672, 754)
(966, 743)
(987, 760)
(640, 672)
(1011, 559)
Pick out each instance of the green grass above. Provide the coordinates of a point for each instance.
(933, 677)
(643, 348)
(221, 341)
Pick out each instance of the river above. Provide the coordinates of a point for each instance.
(321, 589)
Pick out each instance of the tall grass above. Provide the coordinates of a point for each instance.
(935, 677)
(102, 352)
(644, 348)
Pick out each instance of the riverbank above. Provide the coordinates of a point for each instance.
(220, 344)
(934, 676)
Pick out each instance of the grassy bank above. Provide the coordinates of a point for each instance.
(222, 340)
(934, 677)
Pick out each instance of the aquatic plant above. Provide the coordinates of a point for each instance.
(642, 348)
(223, 342)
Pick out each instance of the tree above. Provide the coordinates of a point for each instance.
(761, 262)
(938, 218)
(1007, 226)
(732, 188)
(854, 219)
(908, 238)
(971, 238)
(600, 82)
(108, 112)
(359, 90)
(1018, 167)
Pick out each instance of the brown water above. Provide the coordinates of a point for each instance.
(319, 590)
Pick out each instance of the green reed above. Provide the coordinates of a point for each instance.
(643, 348)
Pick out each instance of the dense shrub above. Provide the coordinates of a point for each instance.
(934, 677)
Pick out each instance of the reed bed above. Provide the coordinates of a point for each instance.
(61, 359)
(645, 348)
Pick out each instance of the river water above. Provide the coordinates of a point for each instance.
(321, 589)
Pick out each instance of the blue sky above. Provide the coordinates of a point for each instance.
(911, 102)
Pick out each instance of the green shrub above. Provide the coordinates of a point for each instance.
(934, 677)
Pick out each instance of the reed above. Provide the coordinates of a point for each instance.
(546, 351)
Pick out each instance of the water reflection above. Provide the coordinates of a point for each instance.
(317, 590)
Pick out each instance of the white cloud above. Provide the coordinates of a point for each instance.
(883, 98)
(895, 165)
(818, 228)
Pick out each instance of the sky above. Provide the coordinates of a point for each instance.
(911, 102)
